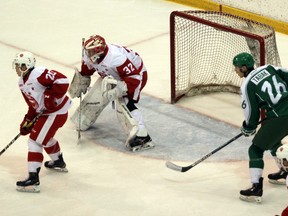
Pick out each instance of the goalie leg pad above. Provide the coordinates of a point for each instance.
(126, 120)
(91, 107)
(131, 126)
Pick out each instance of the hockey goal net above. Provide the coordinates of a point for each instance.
(203, 44)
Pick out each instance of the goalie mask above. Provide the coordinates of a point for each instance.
(282, 156)
(22, 59)
(94, 47)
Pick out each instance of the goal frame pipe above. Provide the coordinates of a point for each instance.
(182, 14)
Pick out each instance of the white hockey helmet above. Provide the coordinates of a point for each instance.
(24, 58)
(94, 47)
(282, 156)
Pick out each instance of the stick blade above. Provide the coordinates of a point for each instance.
(173, 166)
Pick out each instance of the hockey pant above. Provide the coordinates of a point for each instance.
(42, 136)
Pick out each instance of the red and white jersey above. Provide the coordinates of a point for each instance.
(34, 85)
(123, 64)
(285, 212)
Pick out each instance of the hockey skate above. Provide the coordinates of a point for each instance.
(31, 184)
(278, 177)
(58, 165)
(254, 193)
(140, 143)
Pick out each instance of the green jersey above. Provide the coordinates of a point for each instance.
(265, 88)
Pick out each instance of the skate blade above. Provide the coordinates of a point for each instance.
(29, 189)
(65, 170)
(256, 199)
(277, 182)
(144, 147)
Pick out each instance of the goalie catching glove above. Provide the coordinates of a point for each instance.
(79, 84)
(247, 131)
(113, 89)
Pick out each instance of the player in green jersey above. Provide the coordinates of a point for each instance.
(265, 87)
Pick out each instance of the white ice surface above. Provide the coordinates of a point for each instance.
(104, 181)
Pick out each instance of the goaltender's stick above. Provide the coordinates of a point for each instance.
(80, 98)
(18, 135)
(178, 168)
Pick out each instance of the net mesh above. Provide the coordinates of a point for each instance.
(203, 51)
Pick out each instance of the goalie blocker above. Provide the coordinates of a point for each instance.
(102, 92)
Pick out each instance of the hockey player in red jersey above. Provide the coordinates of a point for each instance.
(285, 212)
(282, 159)
(43, 90)
(122, 76)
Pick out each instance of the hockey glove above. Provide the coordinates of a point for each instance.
(247, 131)
(25, 126)
(49, 100)
(108, 83)
(113, 89)
(84, 84)
(79, 84)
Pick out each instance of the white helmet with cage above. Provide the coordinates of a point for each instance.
(24, 58)
(282, 156)
(94, 47)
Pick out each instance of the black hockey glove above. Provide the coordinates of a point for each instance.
(247, 131)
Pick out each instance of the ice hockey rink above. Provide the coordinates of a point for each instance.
(104, 179)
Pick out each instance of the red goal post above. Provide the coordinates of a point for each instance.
(202, 47)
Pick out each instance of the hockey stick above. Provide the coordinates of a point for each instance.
(178, 168)
(18, 135)
(80, 98)
(79, 118)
